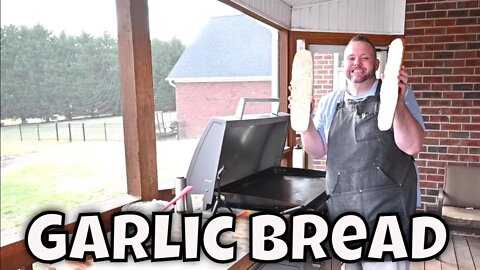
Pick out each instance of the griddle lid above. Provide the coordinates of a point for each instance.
(240, 147)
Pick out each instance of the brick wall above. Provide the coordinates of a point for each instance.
(443, 60)
(322, 85)
(197, 102)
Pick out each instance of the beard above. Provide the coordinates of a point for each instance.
(361, 77)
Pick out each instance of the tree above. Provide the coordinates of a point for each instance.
(44, 75)
(165, 55)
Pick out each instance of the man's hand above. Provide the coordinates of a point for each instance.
(402, 83)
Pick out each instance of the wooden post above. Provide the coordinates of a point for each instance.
(38, 132)
(136, 83)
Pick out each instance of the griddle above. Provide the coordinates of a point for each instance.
(239, 157)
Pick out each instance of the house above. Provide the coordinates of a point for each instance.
(230, 59)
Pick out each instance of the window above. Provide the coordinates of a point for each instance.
(62, 127)
(62, 133)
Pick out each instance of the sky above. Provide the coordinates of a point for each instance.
(182, 19)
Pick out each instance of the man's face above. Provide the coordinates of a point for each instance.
(360, 62)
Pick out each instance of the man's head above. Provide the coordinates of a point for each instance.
(360, 60)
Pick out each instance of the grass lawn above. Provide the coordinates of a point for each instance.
(58, 176)
(38, 176)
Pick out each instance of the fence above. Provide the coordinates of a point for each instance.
(91, 130)
(63, 132)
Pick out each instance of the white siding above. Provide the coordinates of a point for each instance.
(351, 16)
(274, 10)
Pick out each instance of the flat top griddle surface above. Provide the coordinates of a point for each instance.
(282, 187)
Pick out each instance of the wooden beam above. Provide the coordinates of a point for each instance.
(137, 97)
(323, 38)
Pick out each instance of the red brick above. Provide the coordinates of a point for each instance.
(474, 12)
(438, 118)
(467, 4)
(436, 163)
(419, 86)
(424, 184)
(471, 110)
(444, 22)
(436, 134)
(444, 38)
(475, 135)
(415, 32)
(474, 151)
(453, 79)
(459, 134)
(451, 110)
(433, 63)
(428, 110)
(441, 103)
(462, 103)
(424, 23)
(425, 39)
(455, 46)
(465, 54)
(441, 71)
(460, 119)
(432, 79)
(468, 37)
(443, 55)
(448, 157)
(414, 47)
(413, 63)
(472, 79)
(455, 63)
(438, 178)
(450, 126)
(446, 5)
(473, 29)
(457, 30)
(464, 71)
(434, 47)
(466, 21)
(435, 31)
(458, 13)
(436, 14)
(431, 141)
(462, 87)
(452, 95)
(428, 156)
(423, 7)
(472, 127)
(421, 71)
(423, 102)
(457, 150)
(470, 158)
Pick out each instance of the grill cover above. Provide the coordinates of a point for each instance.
(243, 158)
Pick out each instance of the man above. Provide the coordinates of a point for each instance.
(368, 171)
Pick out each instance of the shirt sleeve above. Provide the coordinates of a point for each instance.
(319, 119)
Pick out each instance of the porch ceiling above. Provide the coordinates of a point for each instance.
(298, 3)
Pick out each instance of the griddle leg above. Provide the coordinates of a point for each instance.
(220, 201)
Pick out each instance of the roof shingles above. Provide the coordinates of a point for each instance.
(228, 47)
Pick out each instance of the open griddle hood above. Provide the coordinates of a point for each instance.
(242, 157)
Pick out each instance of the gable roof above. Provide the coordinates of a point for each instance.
(229, 48)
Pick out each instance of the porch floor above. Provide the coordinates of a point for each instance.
(463, 252)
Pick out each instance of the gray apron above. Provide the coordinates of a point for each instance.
(366, 172)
